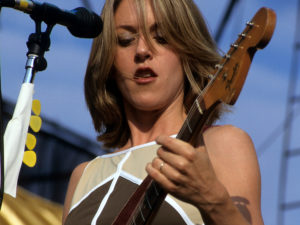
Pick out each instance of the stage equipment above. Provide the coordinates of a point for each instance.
(81, 23)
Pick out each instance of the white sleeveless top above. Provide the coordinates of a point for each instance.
(109, 180)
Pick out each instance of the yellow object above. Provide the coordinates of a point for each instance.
(23, 4)
(30, 141)
(35, 123)
(36, 107)
(29, 158)
(29, 209)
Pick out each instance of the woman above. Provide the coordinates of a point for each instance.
(144, 72)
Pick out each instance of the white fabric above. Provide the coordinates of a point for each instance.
(15, 138)
(111, 188)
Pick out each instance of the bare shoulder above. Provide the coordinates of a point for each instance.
(74, 179)
(234, 160)
(226, 133)
(77, 172)
(228, 139)
(230, 149)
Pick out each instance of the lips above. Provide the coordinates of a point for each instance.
(144, 73)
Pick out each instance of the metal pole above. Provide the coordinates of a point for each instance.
(291, 100)
(225, 19)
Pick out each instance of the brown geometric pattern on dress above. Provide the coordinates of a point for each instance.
(85, 211)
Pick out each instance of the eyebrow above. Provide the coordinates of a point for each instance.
(133, 29)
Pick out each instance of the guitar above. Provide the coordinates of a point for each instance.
(224, 86)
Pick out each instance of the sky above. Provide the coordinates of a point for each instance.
(260, 109)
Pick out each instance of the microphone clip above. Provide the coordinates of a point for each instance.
(38, 43)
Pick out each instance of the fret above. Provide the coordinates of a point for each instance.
(147, 200)
(188, 125)
(198, 106)
(194, 118)
(155, 188)
(152, 198)
(158, 189)
(133, 221)
(139, 219)
(141, 213)
(144, 209)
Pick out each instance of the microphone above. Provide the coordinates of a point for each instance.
(80, 21)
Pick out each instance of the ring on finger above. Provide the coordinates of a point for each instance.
(161, 166)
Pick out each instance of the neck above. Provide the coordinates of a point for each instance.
(146, 126)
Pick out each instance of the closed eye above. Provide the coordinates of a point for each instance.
(124, 42)
(160, 40)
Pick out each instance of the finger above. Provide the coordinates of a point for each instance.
(160, 178)
(175, 161)
(169, 172)
(158, 163)
(177, 146)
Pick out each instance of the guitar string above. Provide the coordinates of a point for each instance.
(199, 98)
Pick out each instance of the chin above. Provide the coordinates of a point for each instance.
(147, 105)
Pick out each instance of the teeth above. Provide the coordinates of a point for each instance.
(144, 75)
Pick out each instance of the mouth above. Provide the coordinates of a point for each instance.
(144, 73)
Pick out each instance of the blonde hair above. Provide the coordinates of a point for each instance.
(182, 26)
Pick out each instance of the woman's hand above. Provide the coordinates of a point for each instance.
(215, 177)
(187, 173)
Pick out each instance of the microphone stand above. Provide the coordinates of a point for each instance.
(16, 132)
(38, 43)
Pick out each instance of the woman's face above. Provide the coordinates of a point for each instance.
(148, 80)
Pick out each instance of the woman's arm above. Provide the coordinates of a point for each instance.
(75, 177)
(234, 160)
(221, 179)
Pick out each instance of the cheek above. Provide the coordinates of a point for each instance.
(175, 69)
(118, 62)
(122, 59)
(171, 60)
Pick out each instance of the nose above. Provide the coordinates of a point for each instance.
(143, 51)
